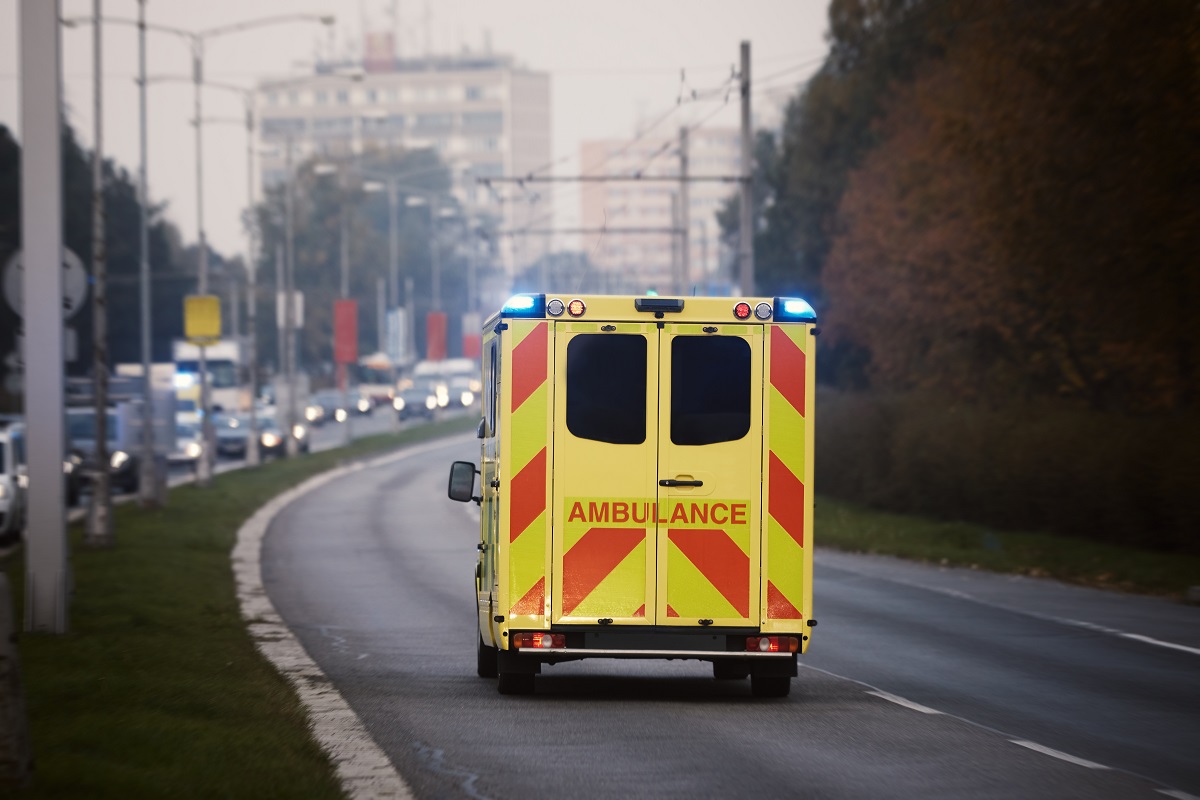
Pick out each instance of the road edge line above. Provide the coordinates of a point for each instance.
(362, 768)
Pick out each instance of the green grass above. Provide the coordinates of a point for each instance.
(843, 526)
(158, 690)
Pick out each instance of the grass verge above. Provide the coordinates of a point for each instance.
(843, 526)
(158, 690)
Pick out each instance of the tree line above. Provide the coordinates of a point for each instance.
(996, 200)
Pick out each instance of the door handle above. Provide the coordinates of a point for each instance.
(673, 482)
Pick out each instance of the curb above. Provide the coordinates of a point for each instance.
(363, 769)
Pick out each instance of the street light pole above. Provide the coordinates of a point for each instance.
(98, 531)
(148, 483)
(289, 305)
(252, 454)
(204, 465)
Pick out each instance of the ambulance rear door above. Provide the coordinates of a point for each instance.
(709, 474)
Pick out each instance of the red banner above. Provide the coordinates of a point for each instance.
(345, 331)
(435, 336)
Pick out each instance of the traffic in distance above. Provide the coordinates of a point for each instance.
(321, 419)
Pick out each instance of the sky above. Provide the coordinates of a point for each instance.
(612, 65)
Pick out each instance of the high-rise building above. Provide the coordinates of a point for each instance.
(484, 114)
(641, 247)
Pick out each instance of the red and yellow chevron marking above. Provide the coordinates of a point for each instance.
(708, 574)
(528, 436)
(614, 558)
(785, 470)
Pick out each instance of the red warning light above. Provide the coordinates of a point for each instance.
(576, 308)
(742, 311)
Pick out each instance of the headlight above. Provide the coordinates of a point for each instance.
(340, 415)
(364, 405)
(270, 440)
(398, 403)
(68, 467)
(4, 490)
(299, 431)
(192, 450)
(431, 402)
(119, 458)
(467, 398)
(311, 413)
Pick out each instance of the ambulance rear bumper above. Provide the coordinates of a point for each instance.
(565, 653)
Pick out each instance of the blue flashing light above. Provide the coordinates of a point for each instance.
(793, 309)
(525, 305)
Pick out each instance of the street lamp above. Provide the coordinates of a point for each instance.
(197, 40)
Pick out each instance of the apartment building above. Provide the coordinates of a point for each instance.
(484, 114)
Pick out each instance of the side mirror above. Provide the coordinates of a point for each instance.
(462, 482)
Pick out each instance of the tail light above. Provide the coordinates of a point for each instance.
(539, 641)
(772, 644)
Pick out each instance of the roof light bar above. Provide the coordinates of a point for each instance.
(794, 309)
(525, 305)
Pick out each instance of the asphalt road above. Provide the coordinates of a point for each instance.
(920, 682)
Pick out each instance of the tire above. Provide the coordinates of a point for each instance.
(486, 658)
(515, 683)
(730, 669)
(770, 685)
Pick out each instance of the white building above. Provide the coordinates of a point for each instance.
(485, 115)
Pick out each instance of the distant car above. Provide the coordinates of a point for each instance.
(123, 466)
(232, 434)
(464, 392)
(325, 406)
(14, 505)
(272, 440)
(416, 402)
(189, 444)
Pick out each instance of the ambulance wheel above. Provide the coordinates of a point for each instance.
(485, 659)
(730, 669)
(770, 685)
(515, 683)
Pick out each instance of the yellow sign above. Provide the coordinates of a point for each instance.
(202, 318)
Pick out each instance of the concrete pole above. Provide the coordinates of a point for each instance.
(433, 253)
(205, 463)
(98, 531)
(673, 238)
(148, 484)
(685, 215)
(746, 228)
(289, 304)
(252, 454)
(46, 569)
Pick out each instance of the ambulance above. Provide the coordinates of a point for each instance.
(645, 485)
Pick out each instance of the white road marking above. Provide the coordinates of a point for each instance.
(362, 767)
(1075, 623)
(1178, 795)
(1058, 754)
(900, 701)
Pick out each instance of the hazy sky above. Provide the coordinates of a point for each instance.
(611, 64)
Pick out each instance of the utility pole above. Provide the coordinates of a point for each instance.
(148, 483)
(98, 531)
(746, 228)
(676, 273)
(204, 466)
(252, 454)
(685, 214)
(288, 304)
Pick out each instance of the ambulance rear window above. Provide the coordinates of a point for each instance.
(606, 387)
(710, 389)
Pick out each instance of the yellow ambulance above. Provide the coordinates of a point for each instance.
(645, 484)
